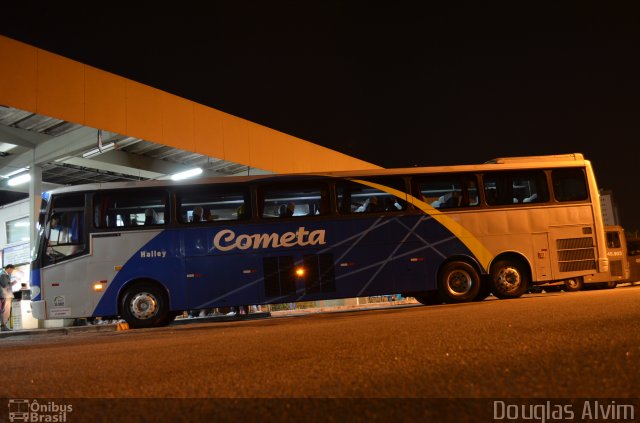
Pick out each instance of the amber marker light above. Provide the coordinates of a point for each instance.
(99, 285)
(300, 272)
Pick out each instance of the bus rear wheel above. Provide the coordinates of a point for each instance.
(458, 282)
(573, 284)
(508, 279)
(145, 305)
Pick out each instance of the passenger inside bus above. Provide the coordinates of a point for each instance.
(314, 209)
(374, 205)
(391, 204)
(149, 217)
(286, 210)
(197, 215)
(240, 212)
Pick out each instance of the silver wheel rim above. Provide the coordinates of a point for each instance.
(508, 279)
(459, 282)
(143, 305)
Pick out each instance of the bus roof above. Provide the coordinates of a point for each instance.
(534, 159)
(506, 163)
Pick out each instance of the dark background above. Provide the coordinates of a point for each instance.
(387, 83)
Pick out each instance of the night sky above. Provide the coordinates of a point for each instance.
(392, 85)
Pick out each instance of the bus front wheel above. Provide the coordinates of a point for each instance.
(459, 282)
(145, 305)
(508, 279)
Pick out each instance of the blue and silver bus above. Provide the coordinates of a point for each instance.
(146, 251)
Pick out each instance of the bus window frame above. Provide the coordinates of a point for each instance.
(513, 175)
(552, 187)
(406, 189)
(259, 190)
(87, 229)
(177, 212)
(169, 204)
(463, 178)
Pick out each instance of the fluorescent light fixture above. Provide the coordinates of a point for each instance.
(15, 172)
(96, 152)
(186, 174)
(20, 179)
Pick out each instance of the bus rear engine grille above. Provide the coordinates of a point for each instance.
(573, 243)
(576, 254)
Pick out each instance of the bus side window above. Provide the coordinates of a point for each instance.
(293, 200)
(447, 191)
(515, 187)
(126, 209)
(211, 203)
(569, 184)
(355, 197)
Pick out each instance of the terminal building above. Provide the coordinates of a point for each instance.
(66, 123)
(610, 213)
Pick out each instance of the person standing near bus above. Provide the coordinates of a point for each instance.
(6, 295)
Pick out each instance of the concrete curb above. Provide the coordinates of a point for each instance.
(60, 331)
(114, 327)
(354, 307)
(221, 318)
(212, 319)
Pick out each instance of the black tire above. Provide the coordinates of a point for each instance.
(428, 298)
(509, 279)
(611, 284)
(484, 291)
(458, 282)
(573, 284)
(145, 305)
(171, 316)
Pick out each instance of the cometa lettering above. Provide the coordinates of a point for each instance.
(226, 239)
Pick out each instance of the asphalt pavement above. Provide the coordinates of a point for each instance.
(116, 326)
(389, 363)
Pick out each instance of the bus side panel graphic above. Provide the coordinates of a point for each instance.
(369, 257)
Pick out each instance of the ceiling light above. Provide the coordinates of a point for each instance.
(21, 179)
(186, 174)
(97, 151)
(15, 172)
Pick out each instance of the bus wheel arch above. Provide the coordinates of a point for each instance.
(144, 303)
(509, 275)
(459, 280)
